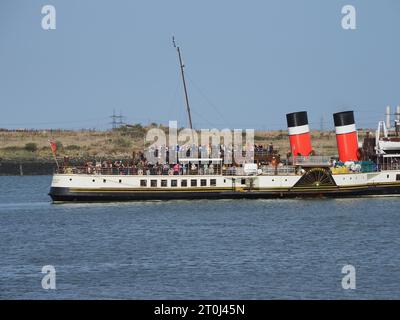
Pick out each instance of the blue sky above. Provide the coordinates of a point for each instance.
(247, 62)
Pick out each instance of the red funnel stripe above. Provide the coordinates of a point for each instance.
(299, 133)
(346, 136)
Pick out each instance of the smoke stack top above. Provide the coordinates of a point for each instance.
(297, 119)
(343, 118)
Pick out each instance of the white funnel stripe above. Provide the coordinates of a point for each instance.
(299, 129)
(346, 129)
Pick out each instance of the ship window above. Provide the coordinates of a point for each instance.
(193, 183)
(388, 176)
(104, 180)
(153, 183)
(213, 182)
(70, 179)
(183, 183)
(93, 180)
(164, 183)
(398, 177)
(120, 180)
(243, 181)
(143, 183)
(203, 182)
(174, 183)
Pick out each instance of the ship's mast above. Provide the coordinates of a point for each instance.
(182, 66)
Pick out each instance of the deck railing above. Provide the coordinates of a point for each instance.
(311, 160)
(389, 166)
(283, 170)
(132, 171)
(135, 171)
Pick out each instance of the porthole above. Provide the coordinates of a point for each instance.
(94, 180)
(104, 180)
(120, 181)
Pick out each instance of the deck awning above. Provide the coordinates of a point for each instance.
(200, 159)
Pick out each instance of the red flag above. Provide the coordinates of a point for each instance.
(53, 146)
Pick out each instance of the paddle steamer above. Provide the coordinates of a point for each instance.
(369, 169)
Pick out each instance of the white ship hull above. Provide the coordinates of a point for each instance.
(316, 182)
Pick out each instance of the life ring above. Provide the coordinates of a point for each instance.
(140, 172)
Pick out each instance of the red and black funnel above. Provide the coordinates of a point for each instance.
(299, 133)
(346, 136)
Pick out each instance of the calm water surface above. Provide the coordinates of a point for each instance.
(242, 249)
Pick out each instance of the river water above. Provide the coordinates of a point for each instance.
(241, 249)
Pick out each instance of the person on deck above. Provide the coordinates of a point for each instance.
(176, 169)
(270, 148)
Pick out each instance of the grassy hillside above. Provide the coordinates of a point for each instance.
(120, 143)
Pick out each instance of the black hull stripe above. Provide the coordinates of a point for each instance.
(65, 194)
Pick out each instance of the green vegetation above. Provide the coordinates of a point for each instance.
(31, 146)
(72, 147)
(122, 143)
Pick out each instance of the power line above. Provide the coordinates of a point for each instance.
(117, 120)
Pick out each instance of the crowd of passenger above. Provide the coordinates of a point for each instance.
(262, 150)
(160, 164)
(213, 151)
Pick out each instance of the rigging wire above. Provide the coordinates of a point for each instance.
(207, 99)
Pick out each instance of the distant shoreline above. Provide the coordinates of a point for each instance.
(26, 167)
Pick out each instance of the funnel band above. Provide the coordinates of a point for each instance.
(299, 130)
(346, 129)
